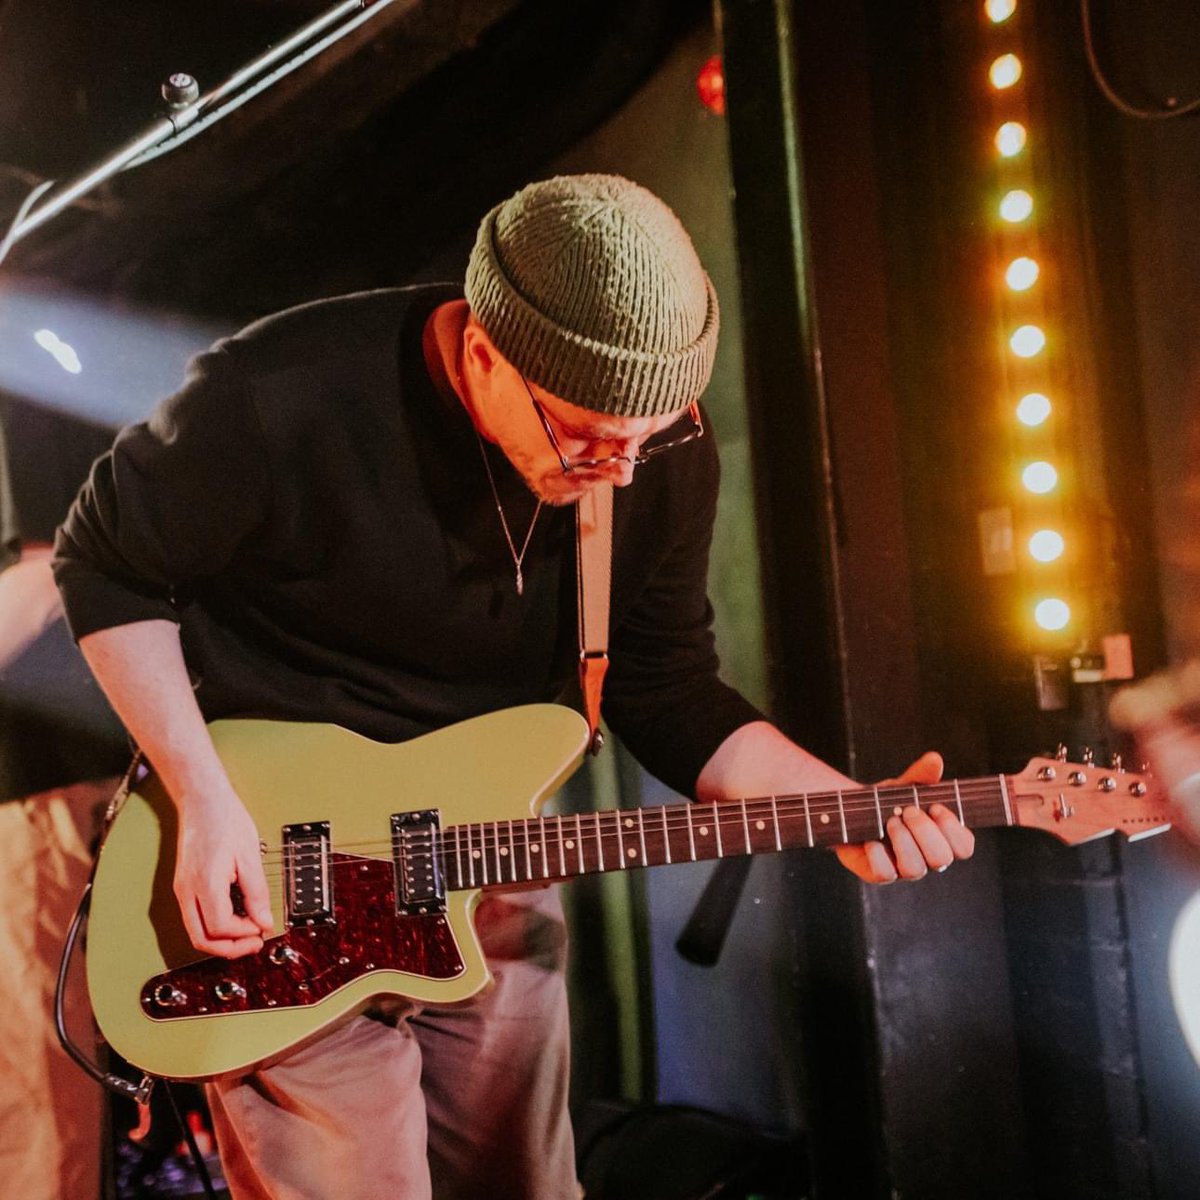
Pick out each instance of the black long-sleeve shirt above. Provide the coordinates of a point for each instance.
(314, 513)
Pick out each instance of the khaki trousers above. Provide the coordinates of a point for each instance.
(50, 1111)
(461, 1102)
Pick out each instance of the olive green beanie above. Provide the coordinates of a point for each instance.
(591, 288)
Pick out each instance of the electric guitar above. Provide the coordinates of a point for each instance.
(376, 856)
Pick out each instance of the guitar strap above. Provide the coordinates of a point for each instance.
(593, 523)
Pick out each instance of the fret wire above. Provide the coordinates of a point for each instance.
(458, 857)
(1004, 794)
(842, 816)
(746, 827)
(545, 851)
(641, 824)
(496, 852)
(662, 808)
(599, 844)
(717, 828)
(620, 842)
(775, 818)
(808, 820)
(958, 801)
(691, 832)
(579, 841)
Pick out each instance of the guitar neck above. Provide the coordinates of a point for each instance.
(544, 849)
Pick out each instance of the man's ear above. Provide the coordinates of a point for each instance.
(479, 351)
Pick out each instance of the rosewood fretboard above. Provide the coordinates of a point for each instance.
(498, 853)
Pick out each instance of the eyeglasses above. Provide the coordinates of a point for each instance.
(656, 444)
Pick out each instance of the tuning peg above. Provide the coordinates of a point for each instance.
(1061, 752)
(1089, 757)
(1116, 763)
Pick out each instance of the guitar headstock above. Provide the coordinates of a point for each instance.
(1077, 802)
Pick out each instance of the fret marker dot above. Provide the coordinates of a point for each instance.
(534, 848)
(631, 852)
(503, 851)
(897, 811)
(760, 825)
(570, 843)
(628, 822)
(704, 831)
(824, 818)
(476, 853)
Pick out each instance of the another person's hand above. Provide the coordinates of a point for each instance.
(918, 839)
(1163, 714)
(218, 848)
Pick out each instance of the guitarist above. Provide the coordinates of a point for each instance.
(359, 511)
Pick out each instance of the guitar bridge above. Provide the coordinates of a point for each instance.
(416, 846)
(308, 882)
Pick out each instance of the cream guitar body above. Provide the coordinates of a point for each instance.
(500, 766)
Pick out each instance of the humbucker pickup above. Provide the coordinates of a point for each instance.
(308, 881)
(416, 846)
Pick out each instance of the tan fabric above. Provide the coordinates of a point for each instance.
(50, 1112)
(462, 1102)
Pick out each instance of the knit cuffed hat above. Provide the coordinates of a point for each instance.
(591, 288)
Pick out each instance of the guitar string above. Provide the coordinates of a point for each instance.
(497, 835)
(727, 813)
(681, 817)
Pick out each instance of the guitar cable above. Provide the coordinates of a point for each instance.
(138, 1092)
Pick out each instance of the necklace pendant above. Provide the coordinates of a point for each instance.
(520, 582)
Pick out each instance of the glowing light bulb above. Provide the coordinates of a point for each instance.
(1016, 206)
(1052, 614)
(1040, 478)
(1027, 341)
(1047, 545)
(1005, 71)
(1022, 274)
(1000, 10)
(1033, 409)
(1010, 138)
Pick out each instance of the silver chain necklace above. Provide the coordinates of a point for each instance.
(518, 559)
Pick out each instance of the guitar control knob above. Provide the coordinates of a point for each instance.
(1046, 774)
(1137, 789)
(1077, 779)
(281, 955)
(167, 996)
(229, 989)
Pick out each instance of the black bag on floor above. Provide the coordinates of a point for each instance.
(674, 1152)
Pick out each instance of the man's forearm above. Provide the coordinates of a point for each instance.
(143, 674)
(758, 760)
